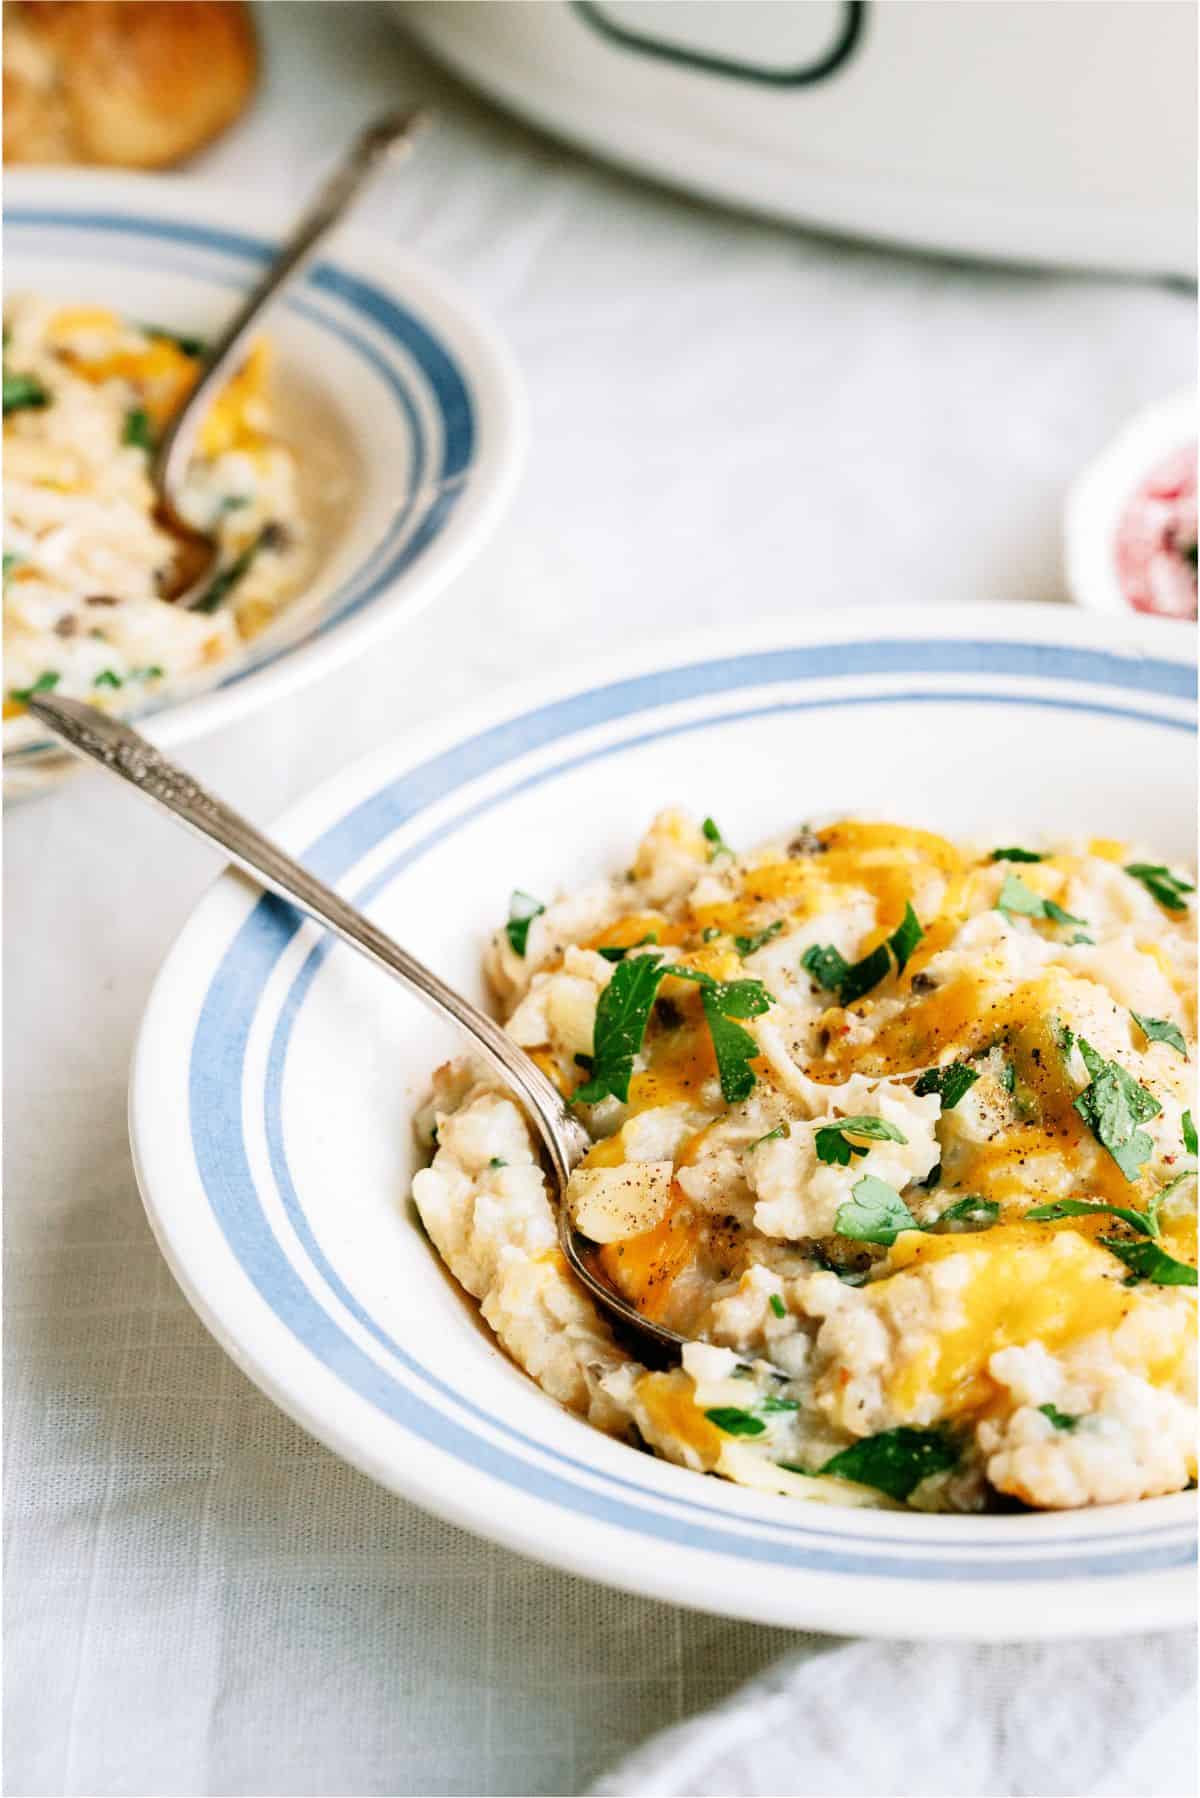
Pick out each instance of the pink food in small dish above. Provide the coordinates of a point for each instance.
(1155, 544)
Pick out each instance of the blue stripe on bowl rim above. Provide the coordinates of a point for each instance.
(217, 1071)
(446, 385)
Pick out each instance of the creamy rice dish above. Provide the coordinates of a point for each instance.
(86, 395)
(897, 1131)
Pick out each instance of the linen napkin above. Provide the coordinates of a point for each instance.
(922, 1720)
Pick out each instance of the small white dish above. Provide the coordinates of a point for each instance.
(276, 1076)
(1099, 498)
(407, 410)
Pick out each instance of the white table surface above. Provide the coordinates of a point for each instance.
(728, 420)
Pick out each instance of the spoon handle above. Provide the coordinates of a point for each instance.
(388, 139)
(132, 758)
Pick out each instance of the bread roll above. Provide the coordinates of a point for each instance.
(132, 82)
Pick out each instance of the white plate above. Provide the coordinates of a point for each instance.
(275, 1078)
(390, 383)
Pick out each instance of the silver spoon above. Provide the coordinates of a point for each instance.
(130, 756)
(386, 141)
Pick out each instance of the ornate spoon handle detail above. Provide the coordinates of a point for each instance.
(133, 759)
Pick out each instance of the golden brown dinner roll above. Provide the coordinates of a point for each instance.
(134, 82)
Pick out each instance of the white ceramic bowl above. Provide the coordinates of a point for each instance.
(276, 1076)
(385, 379)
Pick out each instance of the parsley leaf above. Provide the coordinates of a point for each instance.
(718, 845)
(1161, 884)
(1060, 1419)
(951, 1082)
(1191, 1141)
(1146, 1261)
(11, 559)
(108, 677)
(1016, 855)
(613, 954)
(23, 393)
(191, 346)
(621, 1017)
(523, 908)
(138, 430)
(875, 1212)
(747, 945)
(834, 1148)
(1015, 898)
(1112, 1107)
(735, 1422)
(1144, 1221)
(905, 937)
(827, 966)
(734, 1047)
(895, 1461)
(864, 974)
(228, 578)
(979, 1214)
(1161, 1030)
(777, 1305)
(774, 1135)
(43, 684)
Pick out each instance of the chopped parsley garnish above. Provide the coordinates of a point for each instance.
(835, 1148)
(1146, 1261)
(1008, 1076)
(622, 1014)
(777, 1305)
(864, 974)
(905, 937)
(1016, 899)
(977, 1213)
(1191, 1141)
(734, 1047)
(523, 908)
(895, 1461)
(108, 677)
(771, 1136)
(951, 1082)
(827, 966)
(138, 430)
(875, 1212)
(1161, 1030)
(716, 842)
(624, 1010)
(1161, 884)
(615, 954)
(154, 672)
(43, 684)
(1146, 1222)
(748, 945)
(735, 1422)
(1017, 855)
(710, 933)
(1112, 1107)
(191, 346)
(11, 558)
(1062, 1420)
(497, 1162)
(23, 393)
(228, 577)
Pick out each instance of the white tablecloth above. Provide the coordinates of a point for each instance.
(727, 419)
